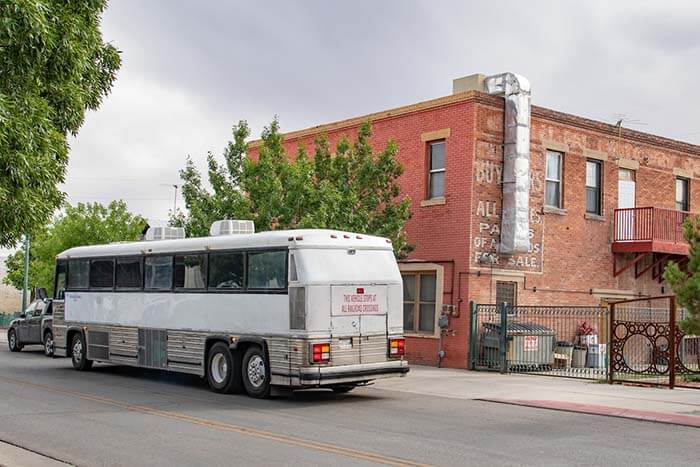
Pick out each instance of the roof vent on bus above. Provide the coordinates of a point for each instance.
(231, 227)
(165, 233)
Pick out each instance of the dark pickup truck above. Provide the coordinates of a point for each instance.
(33, 327)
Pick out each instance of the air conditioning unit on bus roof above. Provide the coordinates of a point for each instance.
(165, 233)
(231, 227)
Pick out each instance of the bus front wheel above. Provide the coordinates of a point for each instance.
(256, 374)
(79, 353)
(223, 369)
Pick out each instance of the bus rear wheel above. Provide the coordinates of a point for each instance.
(79, 353)
(256, 374)
(223, 369)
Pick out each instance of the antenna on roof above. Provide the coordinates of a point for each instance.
(624, 120)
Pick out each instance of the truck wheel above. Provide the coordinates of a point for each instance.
(13, 341)
(256, 374)
(48, 344)
(223, 369)
(79, 353)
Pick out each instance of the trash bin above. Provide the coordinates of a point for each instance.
(578, 357)
(596, 356)
(529, 345)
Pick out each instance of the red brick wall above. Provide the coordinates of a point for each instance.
(571, 252)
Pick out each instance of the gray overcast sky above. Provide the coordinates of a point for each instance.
(191, 69)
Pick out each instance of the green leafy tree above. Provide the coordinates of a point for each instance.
(353, 188)
(84, 224)
(686, 285)
(54, 67)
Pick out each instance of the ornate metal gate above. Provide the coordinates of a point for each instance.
(647, 347)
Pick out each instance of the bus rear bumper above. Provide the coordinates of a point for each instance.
(323, 376)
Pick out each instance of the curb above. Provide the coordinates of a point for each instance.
(604, 410)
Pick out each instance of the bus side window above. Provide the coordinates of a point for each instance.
(159, 272)
(267, 270)
(226, 270)
(78, 274)
(59, 288)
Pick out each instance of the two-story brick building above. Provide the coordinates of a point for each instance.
(598, 216)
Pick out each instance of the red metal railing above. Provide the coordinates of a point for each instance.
(649, 224)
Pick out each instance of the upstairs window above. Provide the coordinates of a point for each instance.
(159, 272)
(102, 274)
(594, 187)
(436, 173)
(682, 194)
(190, 272)
(553, 192)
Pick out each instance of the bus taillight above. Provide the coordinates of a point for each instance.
(397, 347)
(320, 353)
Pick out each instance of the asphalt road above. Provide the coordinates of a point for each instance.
(122, 416)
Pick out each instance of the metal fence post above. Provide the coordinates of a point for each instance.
(611, 350)
(672, 343)
(472, 334)
(503, 341)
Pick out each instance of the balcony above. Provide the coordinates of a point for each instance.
(649, 230)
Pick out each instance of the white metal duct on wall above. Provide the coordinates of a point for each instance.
(515, 211)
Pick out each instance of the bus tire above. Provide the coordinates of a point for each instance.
(13, 341)
(256, 373)
(79, 353)
(223, 369)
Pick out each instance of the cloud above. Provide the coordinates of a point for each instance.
(192, 69)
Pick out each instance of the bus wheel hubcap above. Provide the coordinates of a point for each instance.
(78, 351)
(256, 371)
(219, 368)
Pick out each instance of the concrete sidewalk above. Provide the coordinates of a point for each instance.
(679, 406)
(13, 456)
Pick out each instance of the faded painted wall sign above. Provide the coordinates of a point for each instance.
(486, 231)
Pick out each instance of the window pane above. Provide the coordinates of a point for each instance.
(437, 156)
(553, 165)
(593, 200)
(60, 286)
(266, 270)
(408, 317)
(437, 184)
(190, 272)
(427, 287)
(592, 174)
(226, 270)
(409, 287)
(102, 273)
(78, 273)
(506, 292)
(426, 322)
(625, 174)
(682, 199)
(129, 273)
(551, 196)
(159, 272)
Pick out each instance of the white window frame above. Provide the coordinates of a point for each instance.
(432, 171)
(559, 181)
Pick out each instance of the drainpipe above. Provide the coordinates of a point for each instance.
(515, 211)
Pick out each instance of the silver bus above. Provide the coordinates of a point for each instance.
(249, 312)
